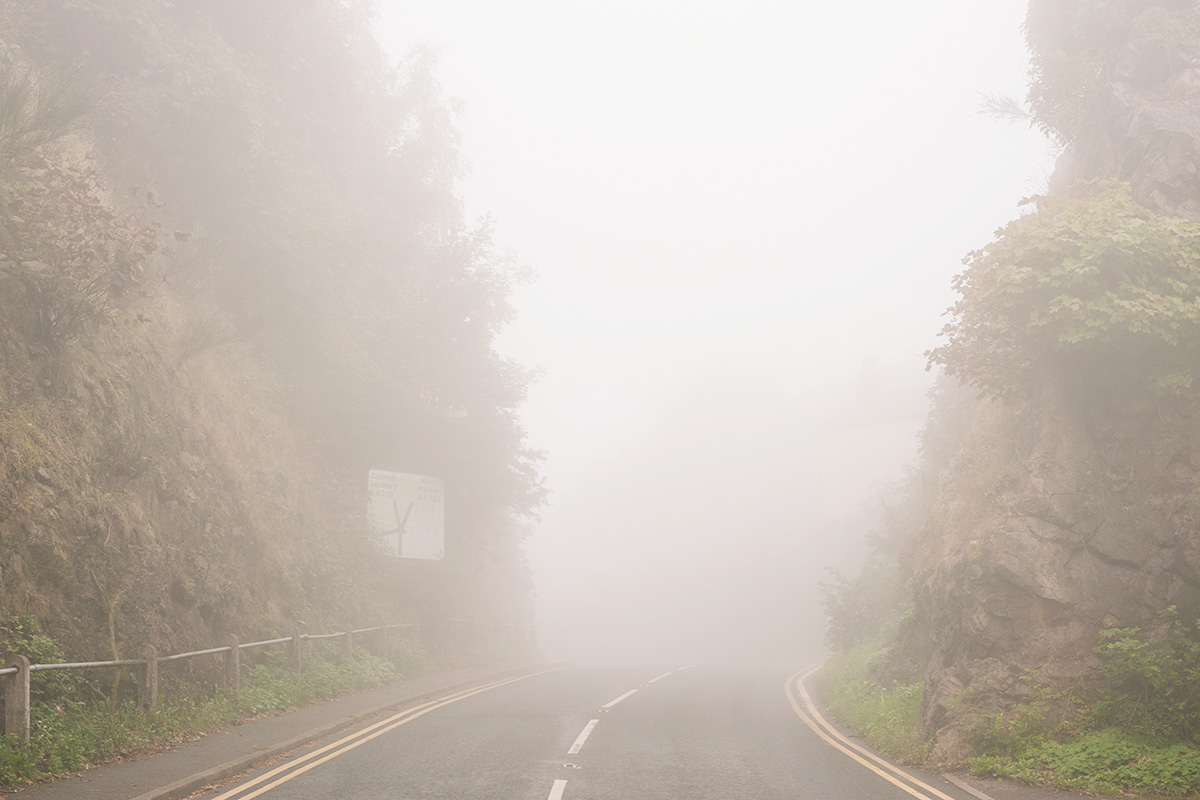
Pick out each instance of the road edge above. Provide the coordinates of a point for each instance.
(186, 786)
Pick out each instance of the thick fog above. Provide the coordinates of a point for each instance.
(744, 218)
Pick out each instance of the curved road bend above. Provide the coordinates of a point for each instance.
(596, 734)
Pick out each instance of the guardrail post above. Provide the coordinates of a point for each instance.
(295, 654)
(148, 686)
(16, 698)
(233, 665)
(348, 645)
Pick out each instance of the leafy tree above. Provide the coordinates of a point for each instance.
(317, 191)
(1091, 285)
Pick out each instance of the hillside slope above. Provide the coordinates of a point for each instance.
(234, 277)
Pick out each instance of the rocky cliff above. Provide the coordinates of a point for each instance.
(1074, 504)
(235, 275)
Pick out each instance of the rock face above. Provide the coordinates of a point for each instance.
(1091, 518)
(1072, 509)
(1146, 131)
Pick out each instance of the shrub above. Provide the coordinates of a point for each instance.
(1153, 678)
(1092, 284)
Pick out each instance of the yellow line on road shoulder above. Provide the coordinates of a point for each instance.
(346, 743)
(833, 738)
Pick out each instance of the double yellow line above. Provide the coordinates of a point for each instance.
(298, 766)
(798, 696)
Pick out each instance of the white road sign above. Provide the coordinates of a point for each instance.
(406, 514)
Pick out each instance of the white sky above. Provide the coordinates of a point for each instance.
(730, 206)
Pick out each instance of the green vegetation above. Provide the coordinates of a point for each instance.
(1136, 733)
(888, 717)
(996, 722)
(1140, 732)
(1092, 285)
(1152, 679)
(1072, 47)
(235, 275)
(1103, 762)
(67, 735)
(1083, 316)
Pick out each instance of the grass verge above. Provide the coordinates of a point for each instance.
(1082, 754)
(1109, 761)
(72, 736)
(887, 717)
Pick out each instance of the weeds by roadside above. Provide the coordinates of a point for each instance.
(1139, 732)
(887, 717)
(68, 736)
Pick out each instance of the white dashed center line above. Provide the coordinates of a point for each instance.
(587, 731)
(660, 677)
(612, 703)
(556, 791)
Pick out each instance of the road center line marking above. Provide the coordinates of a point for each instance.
(612, 703)
(556, 791)
(587, 731)
(346, 743)
(660, 677)
(836, 740)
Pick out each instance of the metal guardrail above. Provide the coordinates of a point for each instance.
(249, 645)
(210, 651)
(129, 662)
(14, 675)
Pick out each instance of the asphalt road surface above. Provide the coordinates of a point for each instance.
(678, 733)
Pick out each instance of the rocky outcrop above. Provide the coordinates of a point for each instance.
(1074, 508)
(1091, 518)
(1146, 131)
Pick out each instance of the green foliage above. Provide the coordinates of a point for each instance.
(21, 635)
(1069, 45)
(309, 197)
(888, 717)
(847, 619)
(1091, 284)
(1142, 733)
(269, 688)
(1072, 46)
(1152, 679)
(66, 246)
(35, 110)
(1103, 762)
(995, 725)
(67, 735)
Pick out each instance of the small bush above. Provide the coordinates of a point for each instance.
(22, 635)
(1153, 679)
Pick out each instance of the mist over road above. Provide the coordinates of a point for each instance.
(598, 733)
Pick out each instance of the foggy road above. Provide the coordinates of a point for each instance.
(683, 732)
